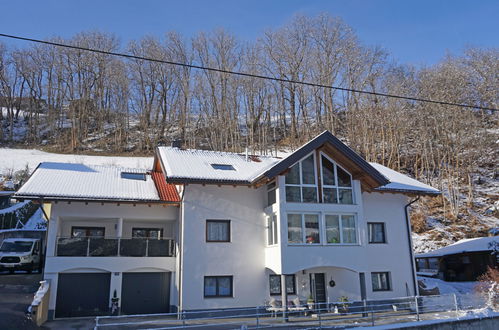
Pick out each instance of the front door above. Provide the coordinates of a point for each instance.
(318, 287)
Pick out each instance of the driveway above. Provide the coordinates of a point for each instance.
(16, 294)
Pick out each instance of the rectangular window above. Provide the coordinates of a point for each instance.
(333, 229)
(301, 183)
(303, 228)
(336, 183)
(381, 281)
(271, 193)
(217, 286)
(272, 230)
(275, 284)
(88, 231)
(217, 230)
(340, 229)
(349, 233)
(156, 233)
(376, 232)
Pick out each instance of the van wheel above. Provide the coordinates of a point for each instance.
(30, 269)
(11, 271)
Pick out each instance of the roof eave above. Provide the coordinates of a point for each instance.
(408, 191)
(49, 198)
(187, 180)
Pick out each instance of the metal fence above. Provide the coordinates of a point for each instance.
(326, 315)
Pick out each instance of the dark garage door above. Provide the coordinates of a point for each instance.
(145, 293)
(82, 294)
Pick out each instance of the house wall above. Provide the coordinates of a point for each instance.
(64, 215)
(243, 257)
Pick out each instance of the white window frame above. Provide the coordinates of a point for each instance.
(355, 220)
(301, 184)
(303, 229)
(336, 186)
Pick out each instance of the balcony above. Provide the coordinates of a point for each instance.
(114, 247)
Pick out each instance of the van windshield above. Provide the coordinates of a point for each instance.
(18, 246)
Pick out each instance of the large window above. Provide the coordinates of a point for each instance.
(301, 183)
(303, 228)
(275, 284)
(336, 183)
(340, 229)
(217, 230)
(271, 193)
(217, 286)
(381, 281)
(147, 233)
(272, 230)
(88, 231)
(376, 232)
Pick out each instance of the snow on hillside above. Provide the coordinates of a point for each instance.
(12, 160)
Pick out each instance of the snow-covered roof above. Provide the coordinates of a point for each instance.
(401, 182)
(464, 245)
(88, 182)
(192, 165)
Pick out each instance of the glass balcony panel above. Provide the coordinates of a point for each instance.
(160, 248)
(72, 246)
(103, 247)
(133, 247)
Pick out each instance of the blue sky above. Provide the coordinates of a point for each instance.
(418, 32)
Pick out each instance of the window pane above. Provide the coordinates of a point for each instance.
(290, 284)
(224, 286)
(275, 284)
(293, 176)
(210, 286)
(345, 196)
(327, 172)
(217, 231)
(271, 197)
(376, 232)
(312, 228)
(332, 228)
(380, 281)
(309, 194)
(274, 228)
(329, 195)
(294, 228)
(293, 194)
(348, 226)
(96, 232)
(433, 263)
(344, 179)
(79, 232)
(308, 170)
(270, 232)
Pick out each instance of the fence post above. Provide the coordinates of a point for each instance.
(257, 318)
(183, 319)
(455, 304)
(417, 307)
(364, 309)
(319, 315)
(372, 315)
(96, 323)
(88, 246)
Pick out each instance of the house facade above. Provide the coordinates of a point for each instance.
(208, 230)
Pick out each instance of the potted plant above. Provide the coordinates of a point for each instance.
(310, 302)
(344, 305)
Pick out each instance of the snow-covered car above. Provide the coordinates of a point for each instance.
(20, 254)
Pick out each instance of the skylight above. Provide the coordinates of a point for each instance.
(223, 167)
(133, 176)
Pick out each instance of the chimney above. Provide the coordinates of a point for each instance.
(177, 144)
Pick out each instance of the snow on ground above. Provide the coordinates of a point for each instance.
(17, 159)
(448, 287)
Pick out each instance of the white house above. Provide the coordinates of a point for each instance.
(207, 230)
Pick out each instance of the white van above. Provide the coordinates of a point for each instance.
(20, 254)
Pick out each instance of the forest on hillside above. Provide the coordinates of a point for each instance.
(72, 101)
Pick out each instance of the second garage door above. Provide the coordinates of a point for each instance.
(145, 293)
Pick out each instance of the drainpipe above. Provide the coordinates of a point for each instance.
(45, 238)
(409, 241)
(181, 248)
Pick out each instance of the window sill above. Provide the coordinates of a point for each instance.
(378, 243)
(217, 297)
(323, 244)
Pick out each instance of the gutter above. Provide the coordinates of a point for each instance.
(409, 241)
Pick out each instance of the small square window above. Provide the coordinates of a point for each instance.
(218, 286)
(217, 230)
(381, 281)
(133, 176)
(223, 167)
(275, 284)
(376, 232)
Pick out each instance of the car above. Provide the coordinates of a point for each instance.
(20, 254)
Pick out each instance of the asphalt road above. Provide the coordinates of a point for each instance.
(16, 294)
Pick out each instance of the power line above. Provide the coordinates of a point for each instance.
(245, 74)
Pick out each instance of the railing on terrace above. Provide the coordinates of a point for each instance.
(114, 247)
(326, 315)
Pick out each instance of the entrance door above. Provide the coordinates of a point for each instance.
(318, 287)
(145, 293)
(82, 294)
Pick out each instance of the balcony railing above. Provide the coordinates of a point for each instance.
(114, 247)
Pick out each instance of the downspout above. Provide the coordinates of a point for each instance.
(181, 248)
(409, 241)
(46, 238)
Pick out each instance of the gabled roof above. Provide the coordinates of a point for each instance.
(341, 152)
(464, 245)
(402, 183)
(65, 181)
(204, 166)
